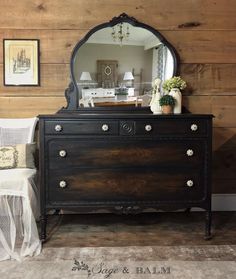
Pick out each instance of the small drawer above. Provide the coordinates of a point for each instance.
(191, 128)
(81, 127)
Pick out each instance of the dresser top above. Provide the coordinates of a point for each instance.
(124, 115)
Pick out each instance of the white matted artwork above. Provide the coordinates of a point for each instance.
(21, 62)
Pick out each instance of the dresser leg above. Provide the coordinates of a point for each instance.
(43, 223)
(208, 225)
(188, 209)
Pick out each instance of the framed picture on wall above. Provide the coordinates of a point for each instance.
(21, 62)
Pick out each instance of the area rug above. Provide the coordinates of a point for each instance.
(206, 261)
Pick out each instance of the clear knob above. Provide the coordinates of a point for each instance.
(194, 127)
(189, 152)
(105, 127)
(62, 184)
(62, 153)
(148, 128)
(58, 128)
(189, 183)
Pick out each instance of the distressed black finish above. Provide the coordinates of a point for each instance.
(125, 169)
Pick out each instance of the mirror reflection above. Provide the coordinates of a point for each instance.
(116, 66)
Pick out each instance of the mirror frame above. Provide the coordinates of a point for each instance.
(71, 93)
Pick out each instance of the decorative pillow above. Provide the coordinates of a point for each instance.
(17, 156)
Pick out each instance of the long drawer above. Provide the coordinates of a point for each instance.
(126, 127)
(119, 185)
(65, 153)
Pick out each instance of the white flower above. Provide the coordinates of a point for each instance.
(174, 82)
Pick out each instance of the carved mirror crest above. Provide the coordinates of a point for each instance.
(113, 66)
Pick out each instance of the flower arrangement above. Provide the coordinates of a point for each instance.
(121, 91)
(174, 82)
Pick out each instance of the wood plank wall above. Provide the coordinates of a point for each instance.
(202, 31)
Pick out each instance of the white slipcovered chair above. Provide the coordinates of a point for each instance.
(18, 196)
(144, 99)
(86, 102)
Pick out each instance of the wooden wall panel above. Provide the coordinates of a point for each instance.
(11, 107)
(203, 32)
(222, 107)
(84, 14)
(209, 79)
(224, 160)
(224, 110)
(202, 79)
(54, 80)
(55, 45)
(204, 46)
(193, 46)
(197, 104)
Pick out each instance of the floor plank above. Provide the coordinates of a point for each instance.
(150, 229)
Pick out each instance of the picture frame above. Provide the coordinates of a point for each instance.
(21, 62)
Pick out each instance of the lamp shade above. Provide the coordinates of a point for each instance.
(85, 76)
(128, 76)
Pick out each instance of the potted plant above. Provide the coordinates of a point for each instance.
(167, 103)
(173, 86)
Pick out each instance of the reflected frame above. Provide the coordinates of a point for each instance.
(71, 92)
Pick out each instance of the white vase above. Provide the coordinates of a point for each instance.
(175, 92)
(154, 104)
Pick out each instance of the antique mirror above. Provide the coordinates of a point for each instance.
(113, 66)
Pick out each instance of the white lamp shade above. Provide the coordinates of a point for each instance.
(128, 76)
(85, 76)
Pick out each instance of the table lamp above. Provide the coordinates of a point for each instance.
(85, 76)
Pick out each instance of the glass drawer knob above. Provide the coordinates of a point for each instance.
(148, 128)
(62, 184)
(58, 128)
(62, 153)
(194, 127)
(189, 152)
(189, 183)
(105, 127)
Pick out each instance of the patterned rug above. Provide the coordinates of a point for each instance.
(205, 261)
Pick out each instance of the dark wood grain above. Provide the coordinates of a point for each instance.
(129, 169)
(84, 14)
(126, 184)
(111, 153)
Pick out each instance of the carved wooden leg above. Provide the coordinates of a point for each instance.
(208, 225)
(43, 223)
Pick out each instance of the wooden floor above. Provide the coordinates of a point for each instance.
(150, 229)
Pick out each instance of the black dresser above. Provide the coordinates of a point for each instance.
(125, 163)
(118, 156)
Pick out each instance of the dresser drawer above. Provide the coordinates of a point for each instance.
(81, 127)
(118, 185)
(175, 127)
(87, 153)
